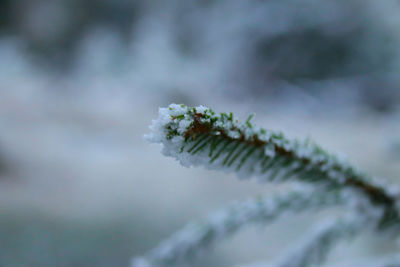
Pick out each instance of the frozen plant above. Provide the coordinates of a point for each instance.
(197, 136)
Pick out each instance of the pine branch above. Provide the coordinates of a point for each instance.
(314, 250)
(385, 261)
(388, 261)
(199, 136)
(392, 260)
(196, 237)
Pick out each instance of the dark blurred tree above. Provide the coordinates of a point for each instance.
(53, 29)
(5, 15)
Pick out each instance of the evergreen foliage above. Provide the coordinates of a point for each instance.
(200, 137)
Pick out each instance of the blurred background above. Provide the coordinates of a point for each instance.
(80, 81)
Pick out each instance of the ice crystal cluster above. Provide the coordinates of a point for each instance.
(197, 136)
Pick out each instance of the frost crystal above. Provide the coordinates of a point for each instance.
(197, 136)
(262, 210)
(313, 250)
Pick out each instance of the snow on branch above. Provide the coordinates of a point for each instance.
(314, 249)
(262, 210)
(318, 243)
(197, 136)
(386, 261)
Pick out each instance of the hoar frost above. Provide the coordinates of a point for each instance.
(197, 136)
